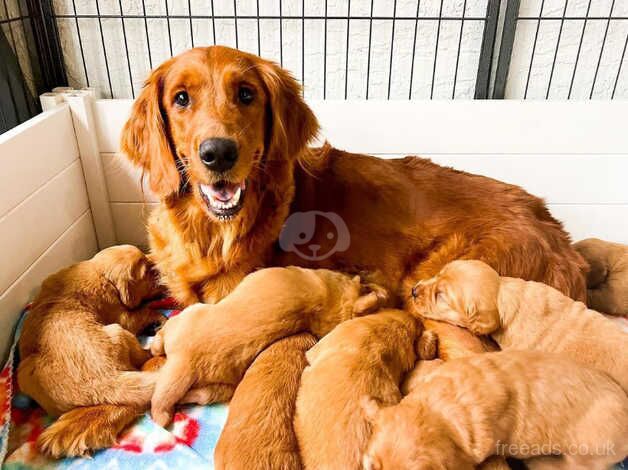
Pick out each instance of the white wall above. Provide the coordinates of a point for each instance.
(359, 34)
(573, 154)
(45, 217)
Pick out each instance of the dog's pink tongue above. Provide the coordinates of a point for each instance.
(225, 191)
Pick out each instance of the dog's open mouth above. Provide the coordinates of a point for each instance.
(224, 199)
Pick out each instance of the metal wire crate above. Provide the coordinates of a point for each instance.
(338, 49)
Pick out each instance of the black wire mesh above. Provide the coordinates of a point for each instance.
(338, 49)
(18, 74)
(567, 49)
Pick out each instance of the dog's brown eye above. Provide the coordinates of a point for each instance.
(245, 95)
(182, 99)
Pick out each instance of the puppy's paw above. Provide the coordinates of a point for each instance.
(372, 298)
(157, 345)
(161, 417)
(213, 393)
(81, 431)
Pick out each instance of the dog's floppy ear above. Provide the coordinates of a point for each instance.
(144, 138)
(292, 123)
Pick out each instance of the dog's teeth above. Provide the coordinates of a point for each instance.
(236, 196)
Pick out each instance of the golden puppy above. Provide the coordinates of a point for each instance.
(208, 345)
(364, 356)
(524, 315)
(259, 432)
(607, 280)
(78, 347)
(520, 404)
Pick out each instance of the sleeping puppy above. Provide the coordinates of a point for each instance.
(521, 404)
(607, 280)
(78, 346)
(259, 432)
(523, 315)
(364, 356)
(210, 345)
(414, 380)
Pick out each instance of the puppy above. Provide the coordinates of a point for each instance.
(259, 432)
(364, 356)
(520, 404)
(524, 315)
(78, 346)
(607, 280)
(208, 345)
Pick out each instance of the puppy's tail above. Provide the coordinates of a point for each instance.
(85, 429)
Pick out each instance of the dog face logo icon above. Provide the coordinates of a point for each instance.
(314, 235)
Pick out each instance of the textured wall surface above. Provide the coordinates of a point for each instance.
(595, 50)
(603, 43)
(313, 49)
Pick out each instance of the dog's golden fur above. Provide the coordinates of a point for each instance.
(259, 433)
(607, 280)
(210, 345)
(363, 356)
(407, 217)
(524, 315)
(519, 404)
(78, 348)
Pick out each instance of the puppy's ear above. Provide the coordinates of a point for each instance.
(145, 139)
(482, 313)
(370, 407)
(128, 278)
(482, 321)
(292, 123)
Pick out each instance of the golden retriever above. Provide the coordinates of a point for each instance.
(212, 345)
(223, 137)
(524, 315)
(79, 354)
(259, 433)
(607, 281)
(521, 404)
(363, 356)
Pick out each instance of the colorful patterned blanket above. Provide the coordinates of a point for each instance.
(187, 444)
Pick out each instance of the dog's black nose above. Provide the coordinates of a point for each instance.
(218, 154)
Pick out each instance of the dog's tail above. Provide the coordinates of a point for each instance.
(88, 428)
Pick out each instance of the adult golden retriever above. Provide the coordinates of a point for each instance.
(223, 137)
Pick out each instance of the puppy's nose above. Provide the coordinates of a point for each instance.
(218, 154)
(415, 289)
